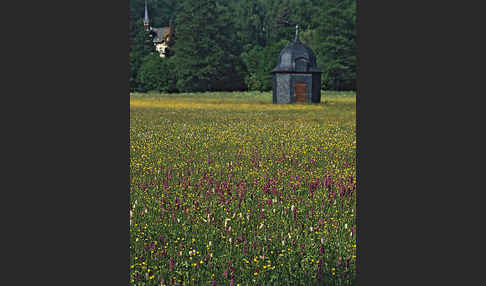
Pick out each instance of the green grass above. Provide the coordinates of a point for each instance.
(248, 164)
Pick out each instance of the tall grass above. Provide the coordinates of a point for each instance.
(228, 188)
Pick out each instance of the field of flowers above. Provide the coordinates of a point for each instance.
(230, 189)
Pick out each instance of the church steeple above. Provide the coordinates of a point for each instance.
(146, 21)
(296, 33)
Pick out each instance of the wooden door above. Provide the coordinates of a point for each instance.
(300, 91)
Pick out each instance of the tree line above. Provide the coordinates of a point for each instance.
(234, 44)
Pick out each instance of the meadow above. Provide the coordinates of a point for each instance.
(230, 189)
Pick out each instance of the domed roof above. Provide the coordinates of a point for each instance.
(296, 57)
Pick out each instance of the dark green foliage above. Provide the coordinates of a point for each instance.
(282, 25)
(155, 74)
(336, 53)
(250, 22)
(259, 62)
(234, 44)
(206, 51)
(141, 46)
(160, 11)
(134, 65)
(253, 59)
(150, 73)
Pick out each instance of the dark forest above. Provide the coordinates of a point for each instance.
(230, 45)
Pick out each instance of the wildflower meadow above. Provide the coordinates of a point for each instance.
(230, 189)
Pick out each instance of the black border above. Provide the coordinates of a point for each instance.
(409, 92)
(79, 176)
(80, 101)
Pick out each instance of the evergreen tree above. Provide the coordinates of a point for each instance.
(151, 75)
(155, 74)
(336, 53)
(206, 49)
(141, 46)
(210, 35)
(253, 58)
(249, 17)
(283, 25)
(260, 61)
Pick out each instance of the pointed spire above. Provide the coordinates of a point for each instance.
(296, 32)
(146, 20)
